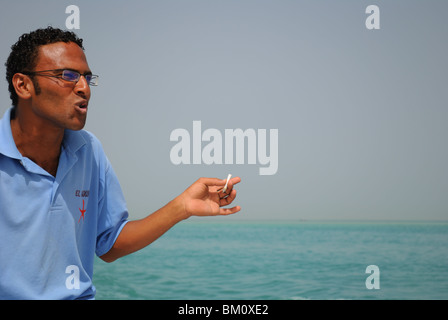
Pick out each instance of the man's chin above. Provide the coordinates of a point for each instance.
(77, 126)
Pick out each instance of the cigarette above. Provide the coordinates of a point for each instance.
(225, 187)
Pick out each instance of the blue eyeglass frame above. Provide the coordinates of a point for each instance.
(67, 75)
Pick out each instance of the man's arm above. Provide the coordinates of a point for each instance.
(202, 198)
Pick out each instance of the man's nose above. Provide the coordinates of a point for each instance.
(82, 87)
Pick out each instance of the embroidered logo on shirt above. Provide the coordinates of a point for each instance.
(82, 211)
(82, 194)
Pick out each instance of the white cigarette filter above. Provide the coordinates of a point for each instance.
(225, 187)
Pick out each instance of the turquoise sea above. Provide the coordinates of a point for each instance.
(293, 260)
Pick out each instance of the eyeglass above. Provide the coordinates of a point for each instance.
(67, 75)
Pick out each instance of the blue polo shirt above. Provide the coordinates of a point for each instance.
(52, 227)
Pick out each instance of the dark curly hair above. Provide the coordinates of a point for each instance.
(24, 52)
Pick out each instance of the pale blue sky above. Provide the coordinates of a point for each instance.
(361, 114)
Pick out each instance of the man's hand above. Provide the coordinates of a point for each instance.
(205, 197)
(202, 198)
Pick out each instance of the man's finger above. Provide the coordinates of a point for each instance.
(220, 182)
(224, 201)
(227, 211)
(232, 182)
(210, 182)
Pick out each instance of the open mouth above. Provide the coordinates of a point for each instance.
(82, 105)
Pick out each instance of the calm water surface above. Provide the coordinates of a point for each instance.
(283, 260)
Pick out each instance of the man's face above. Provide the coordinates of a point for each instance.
(61, 103)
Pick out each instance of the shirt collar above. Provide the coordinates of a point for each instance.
(7, 144)
(73, 140)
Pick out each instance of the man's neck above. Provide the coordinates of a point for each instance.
(41, 144)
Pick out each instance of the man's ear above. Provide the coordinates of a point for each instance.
(23, 85)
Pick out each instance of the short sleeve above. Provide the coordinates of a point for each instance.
(113, 213)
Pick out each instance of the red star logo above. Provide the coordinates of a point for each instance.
(82, 212)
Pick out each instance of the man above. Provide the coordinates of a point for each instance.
(60, 200)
